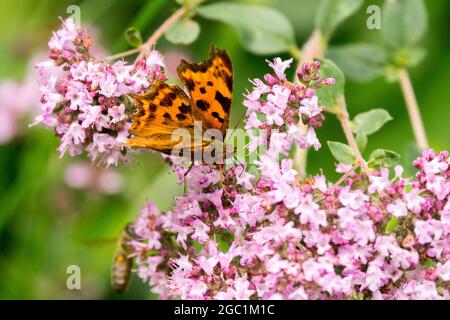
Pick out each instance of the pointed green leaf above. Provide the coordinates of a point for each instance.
(361, 62)
(331, 13)
(370, 122)
(391, 225)
(342, 152)
(384, 158)
(405, 22)
(262, 30)
(361, 140)
(330, 95)
(183, 32)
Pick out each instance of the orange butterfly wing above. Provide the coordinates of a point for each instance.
(166, 108)
(210, 85)
(162, 110)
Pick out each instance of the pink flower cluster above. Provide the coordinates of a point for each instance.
(260, 233)
(84, 100)
(266, 235)
(276, 238)
(280, 113)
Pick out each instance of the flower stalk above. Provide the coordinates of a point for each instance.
(343, 118)
(413, 109)
(314, 48)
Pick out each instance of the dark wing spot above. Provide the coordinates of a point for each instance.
(217, 116)
(224, 101)
(203, 90)
(150, 119)
(166, 101)
(229, 82)
(209, 84)
(181, 117)
(172, 95)
(152, 107)
(190, 84)
(202, 105)
(167, 116)
(185, 108)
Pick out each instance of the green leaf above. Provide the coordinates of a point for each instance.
(361, 141)
(133, 37)
(405, 22)
(384, 158)
(189, 4)
(342, 152)
(429, 263)
(330, 95)
(262, 30)
(391, 225)
(409, 57)
(361, 62)
(410, 153)
(183, 31)
(331, 13)
(368, 123)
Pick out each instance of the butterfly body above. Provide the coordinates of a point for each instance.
(166, 109)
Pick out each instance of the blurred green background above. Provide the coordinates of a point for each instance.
(45, 225)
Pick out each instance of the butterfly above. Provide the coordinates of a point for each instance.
(165, 108)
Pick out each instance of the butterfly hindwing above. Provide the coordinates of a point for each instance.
(162, 110)
(210, 85)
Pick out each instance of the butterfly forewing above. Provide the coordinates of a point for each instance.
(210, 86)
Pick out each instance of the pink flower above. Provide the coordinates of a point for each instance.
(242, 289)
(354, 200)
(310, 107)
(428, 231)
(310, 213)
(201, 231)
(280, 66)
(443, 270)
(279, 97)
(397, 208)
(380, 183)
(414, 201)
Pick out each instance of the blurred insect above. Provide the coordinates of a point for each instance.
(121, 269)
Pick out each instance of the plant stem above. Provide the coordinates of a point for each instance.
(413, 109)
(338, 183)
(313, 48)
(146, 47)
(346, 126)
(123, 54)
